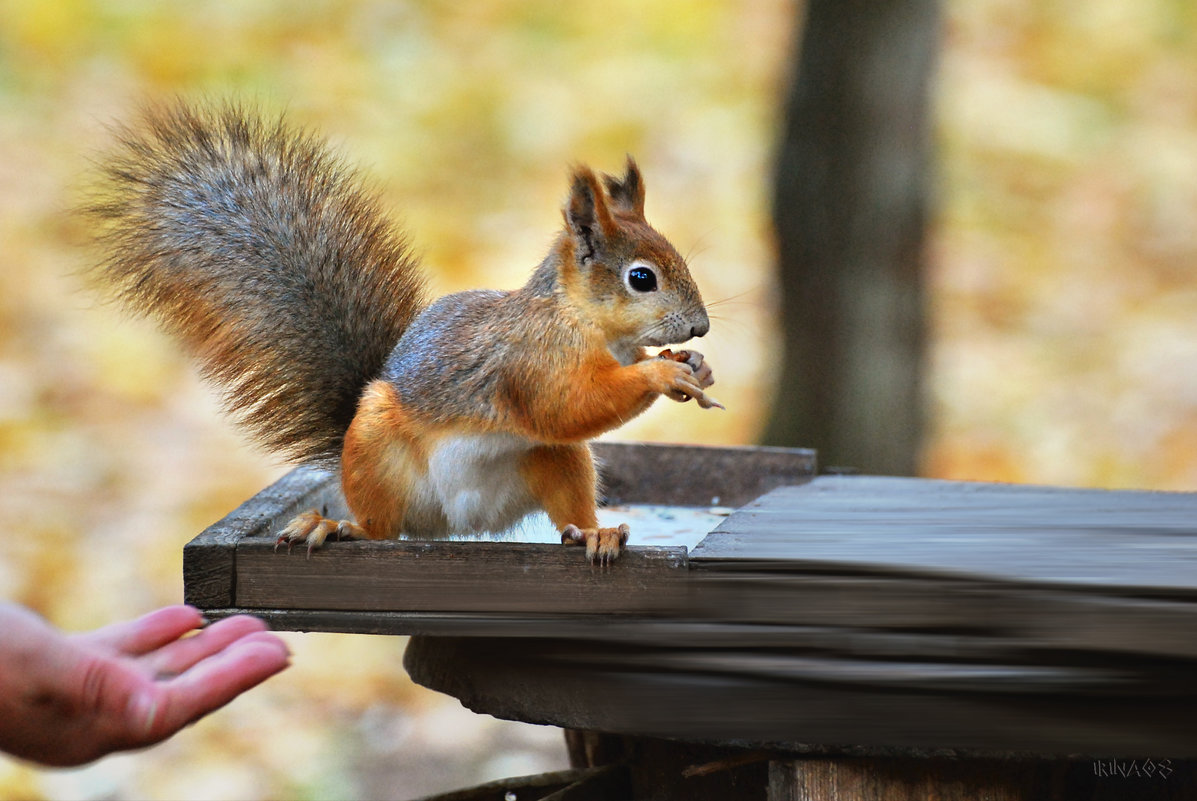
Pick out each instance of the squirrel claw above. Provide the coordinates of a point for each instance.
(603, 545)
(313, 528)
(691, 386)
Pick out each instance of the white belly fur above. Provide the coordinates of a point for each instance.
(473, 485)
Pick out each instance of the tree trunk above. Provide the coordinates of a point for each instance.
(850, 207)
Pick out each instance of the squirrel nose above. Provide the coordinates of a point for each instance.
(701, 328)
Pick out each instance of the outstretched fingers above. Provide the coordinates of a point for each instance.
(75, 698)
(179, 656)
(164, 707)
(145, 634)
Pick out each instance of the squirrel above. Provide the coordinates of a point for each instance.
(274, 265)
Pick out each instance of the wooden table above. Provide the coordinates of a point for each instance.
(831, 637)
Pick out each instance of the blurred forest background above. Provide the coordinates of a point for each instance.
(1063, 300)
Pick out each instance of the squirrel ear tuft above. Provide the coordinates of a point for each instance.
(587, 216)
(627, 195)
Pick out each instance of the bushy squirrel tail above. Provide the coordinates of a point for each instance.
(266, 256)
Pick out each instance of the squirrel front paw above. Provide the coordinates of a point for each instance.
(313, 528)
(603, 545)
(688, 378)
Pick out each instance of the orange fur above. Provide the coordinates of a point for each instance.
(275, 265)
(384, 452)
(563, 479)
(600, 396)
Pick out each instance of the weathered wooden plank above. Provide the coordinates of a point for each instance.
(1132, 542)
(459, 576)
(634, 472)
(696, 475)
(209, 559)
(861, 644)
(664, 631)
(953, 610)
(1026, 616)
(819, 637)
(851, 620)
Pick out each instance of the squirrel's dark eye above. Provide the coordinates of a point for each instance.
(642, 279)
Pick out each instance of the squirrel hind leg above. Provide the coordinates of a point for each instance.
(312, 529)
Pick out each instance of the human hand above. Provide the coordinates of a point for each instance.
(70, 699)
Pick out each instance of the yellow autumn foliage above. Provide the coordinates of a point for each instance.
(1061, 263)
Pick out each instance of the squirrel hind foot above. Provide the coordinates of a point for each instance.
(603, 545)
(312, 529)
